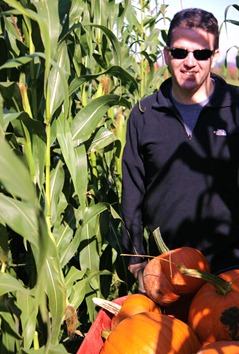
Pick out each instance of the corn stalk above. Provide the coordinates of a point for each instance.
(67, 82)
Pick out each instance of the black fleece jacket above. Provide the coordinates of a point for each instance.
(186, 185)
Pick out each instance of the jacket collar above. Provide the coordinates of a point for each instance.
(220, 96)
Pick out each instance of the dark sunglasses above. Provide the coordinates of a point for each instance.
(199, 54)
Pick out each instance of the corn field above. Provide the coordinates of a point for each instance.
(70, 71)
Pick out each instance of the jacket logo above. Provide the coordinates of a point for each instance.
(220, 132)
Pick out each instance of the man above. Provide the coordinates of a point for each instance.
(181, 159)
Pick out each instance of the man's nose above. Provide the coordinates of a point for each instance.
(190, 60)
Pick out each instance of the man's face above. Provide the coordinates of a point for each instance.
(189, 74)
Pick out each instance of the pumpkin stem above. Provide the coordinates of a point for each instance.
(222, 286)
(110, 306)
(159, 241)
(105, 333)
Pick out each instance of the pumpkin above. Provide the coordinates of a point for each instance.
(222, 347)
(133, 304)
(130, 305)
(162, 280)
(151, 333)
(214, 310)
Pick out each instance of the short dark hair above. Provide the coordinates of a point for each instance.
(195, 18)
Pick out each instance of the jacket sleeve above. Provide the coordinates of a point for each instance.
(133, 188)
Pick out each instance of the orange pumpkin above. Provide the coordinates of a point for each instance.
(133, 304)
(151, 333)
(214, 311)
(164, 284)
(222, 347)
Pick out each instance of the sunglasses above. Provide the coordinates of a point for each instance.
(199, 54)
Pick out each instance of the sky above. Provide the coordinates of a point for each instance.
(228, 38)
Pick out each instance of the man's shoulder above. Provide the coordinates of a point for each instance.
(224, 84)
(146, 102)
(225, 94)
(234, 89)
(150, 99)
(158, 97)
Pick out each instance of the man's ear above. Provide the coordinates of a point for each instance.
(215, 58)
(166, 55)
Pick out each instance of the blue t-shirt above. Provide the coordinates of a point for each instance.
(190, 113)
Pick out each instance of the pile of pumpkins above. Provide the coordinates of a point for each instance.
(186, 309)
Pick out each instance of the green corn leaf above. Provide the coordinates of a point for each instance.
(34, 142)
(89, 214)
(10, 336)
(93, 211)
(49, 349)
(57, 182)
(73, 276)
(78, 293)
(48, 19)
(89, 255)
(14, 175)
(117, 71)
(64, 137)
(10, 284)
(21, 217)
(67, 244)
(57, 80)
(86, 121)
(114, 41)
(56, 292)
(12, 99)
(29, 309)
(81, 183)
(45, 35)
(103, 138)
(14, 63)
(75, 159)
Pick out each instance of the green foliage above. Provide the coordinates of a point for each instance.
(70, 71)
(225, 23)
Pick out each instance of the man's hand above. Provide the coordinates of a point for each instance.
(137, 271)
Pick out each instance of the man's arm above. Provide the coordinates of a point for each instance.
(133, 189)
